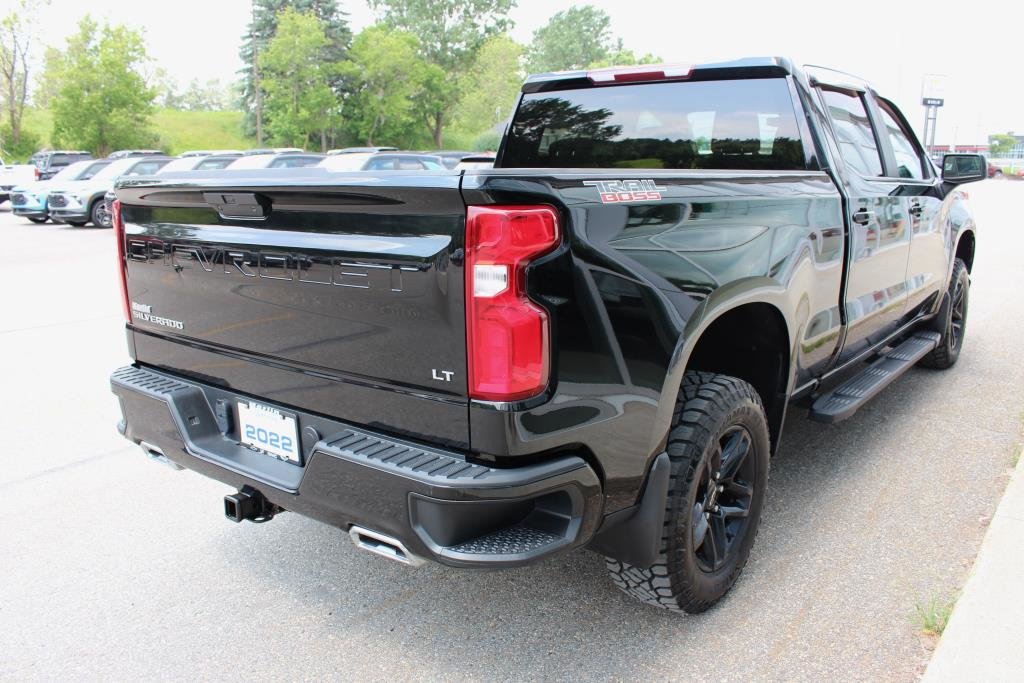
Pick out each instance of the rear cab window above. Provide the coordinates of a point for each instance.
(728, 124)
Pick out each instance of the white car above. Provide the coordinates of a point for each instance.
(14, 175)
(382, 161)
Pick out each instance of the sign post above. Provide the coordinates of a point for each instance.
(933, 88)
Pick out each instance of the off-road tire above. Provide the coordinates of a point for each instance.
(948, 349)
(708, 406)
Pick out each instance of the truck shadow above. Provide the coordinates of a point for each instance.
(564, 616)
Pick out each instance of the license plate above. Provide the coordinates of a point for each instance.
(269, 430)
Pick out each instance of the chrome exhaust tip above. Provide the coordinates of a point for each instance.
(156, 454)
(385, 546)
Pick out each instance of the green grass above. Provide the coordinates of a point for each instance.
(177, 131)
(933, 615)
(183, 130)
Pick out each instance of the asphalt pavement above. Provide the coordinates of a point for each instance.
(115, 567)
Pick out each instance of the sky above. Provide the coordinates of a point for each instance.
(892, 43)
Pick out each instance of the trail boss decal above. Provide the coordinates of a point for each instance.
(619, 191)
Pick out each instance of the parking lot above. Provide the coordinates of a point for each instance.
(115, 567)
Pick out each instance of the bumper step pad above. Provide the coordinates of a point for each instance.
(512, 541)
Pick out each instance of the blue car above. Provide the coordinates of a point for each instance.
(31, 199)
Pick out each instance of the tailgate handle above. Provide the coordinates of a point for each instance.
(244, 205)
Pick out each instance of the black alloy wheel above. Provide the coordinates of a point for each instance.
(724, 494)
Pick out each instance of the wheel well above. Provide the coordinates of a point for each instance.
(750, 342)
(965, 249)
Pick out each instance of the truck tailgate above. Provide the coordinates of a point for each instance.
(338, 293)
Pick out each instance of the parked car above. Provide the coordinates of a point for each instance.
(199, 163)
(51, 162)
(273, 150)
(357, 150)
(475, 163)
(593, 344)
(179, 165)
(210, 152)
(450, 159)
(81, 201)
(382, 161)
(12, 175)
(126, 153)
(277, 160)
(30, 200)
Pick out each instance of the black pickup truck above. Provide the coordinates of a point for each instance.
(592, 344)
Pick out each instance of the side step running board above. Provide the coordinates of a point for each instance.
(848, 397)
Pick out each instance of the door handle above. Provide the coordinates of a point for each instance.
(863, 217)
(916, 210)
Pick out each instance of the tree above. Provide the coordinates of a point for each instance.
(450, 34)
(624, 57)
(392, 89)
(573, 39)
(490, 87)
(261, 31)
(102, 102)
(46, 85)
(168, 94)
(211, 95)
(17, 32)
(296, 78)
(1000, 144)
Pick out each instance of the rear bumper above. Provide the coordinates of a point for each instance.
(439, 505)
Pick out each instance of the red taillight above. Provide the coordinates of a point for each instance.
(640, 74)
(122, 265)
(36, 171)
(507, 334)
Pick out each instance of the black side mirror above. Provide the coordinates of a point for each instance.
(963, 168)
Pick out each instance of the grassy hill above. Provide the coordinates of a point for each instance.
(177, 130)
(183, 130)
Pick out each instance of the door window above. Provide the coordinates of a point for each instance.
(853, 131)
(908, 160)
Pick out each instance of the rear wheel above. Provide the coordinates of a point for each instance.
(719, 451)
(953, 324)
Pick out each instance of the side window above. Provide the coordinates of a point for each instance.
(908, 160)
(409, 164)
(385, 164)
(147, 168)
(853, 131)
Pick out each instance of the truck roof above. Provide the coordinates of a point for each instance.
(751, 67)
